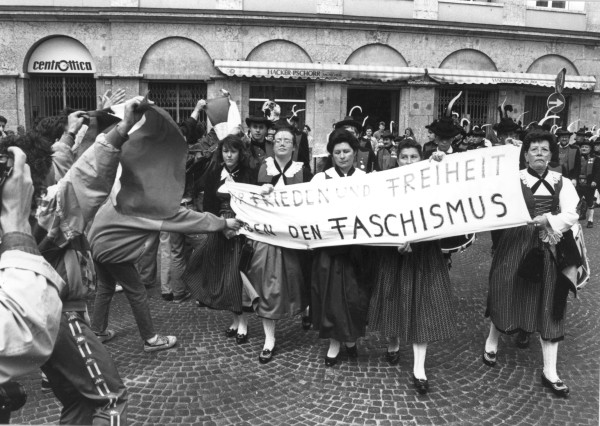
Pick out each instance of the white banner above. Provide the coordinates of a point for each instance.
(475, 191)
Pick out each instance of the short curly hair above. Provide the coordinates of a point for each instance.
(341, 136)
(52, 128)
(407, 143)
(540, 136)
(282, 127)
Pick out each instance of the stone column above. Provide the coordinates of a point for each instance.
(327, 107)
(584, 106)
(418, 109)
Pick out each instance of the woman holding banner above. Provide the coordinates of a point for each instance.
(339, 290)
(277, 273)
(535, 265)
(412, 299)
(213, 275)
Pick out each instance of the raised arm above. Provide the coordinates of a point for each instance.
(76, 198)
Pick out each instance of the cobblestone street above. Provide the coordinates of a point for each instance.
(208, 379)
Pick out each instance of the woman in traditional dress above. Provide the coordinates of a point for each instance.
(213, 273)
(339, 292)
(278, 274)
(534, 265)
(412, 300)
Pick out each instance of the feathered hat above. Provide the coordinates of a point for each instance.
(583, 131)
(477, 132)
(506, 124)
(350, 121)
(445, 127)
(271, 112)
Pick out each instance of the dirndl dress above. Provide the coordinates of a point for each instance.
(277, 273)
(518, 304)
(413, 297)
(340, 290)
(213, 275)
(340, 293)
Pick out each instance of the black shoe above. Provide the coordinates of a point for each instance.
(266, 355)
(422, 386)
(231, 332)
(393, 357)
(240, 339)
(522, 340)
(590, 224)
(167, 296)
(489, 358)
(558, 387)
(352, 351)
(200, 304)
(330, 362)
(306, 323)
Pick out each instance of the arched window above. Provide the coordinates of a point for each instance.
(61, 75)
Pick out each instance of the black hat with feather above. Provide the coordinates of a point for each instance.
(445, 126)
(506, 124)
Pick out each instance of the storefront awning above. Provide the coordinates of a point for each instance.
(312, 71)
(450, 76)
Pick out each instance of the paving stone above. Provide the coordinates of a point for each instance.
(209, 379)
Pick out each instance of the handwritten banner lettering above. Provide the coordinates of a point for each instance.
(470, 192)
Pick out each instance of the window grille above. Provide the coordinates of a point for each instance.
(178, 99)
(50, 94)
(479, 106)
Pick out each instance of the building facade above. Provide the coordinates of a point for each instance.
(399, 60)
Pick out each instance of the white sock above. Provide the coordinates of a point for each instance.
(306, 312)
(235, 322)
(491, 344)
(152, 340)
(590, 215)
(269, 327)
(334, 348)
(550, 353)
(419, 353)
(242, 323)
(394, 344)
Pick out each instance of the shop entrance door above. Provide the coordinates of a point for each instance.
(378, 104)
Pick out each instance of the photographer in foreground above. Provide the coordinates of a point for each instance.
(82, 375)
(29, 287)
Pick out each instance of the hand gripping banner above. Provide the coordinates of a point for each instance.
(475, 191)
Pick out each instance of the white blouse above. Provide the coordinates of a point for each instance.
(568, 199)
(333, 174)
